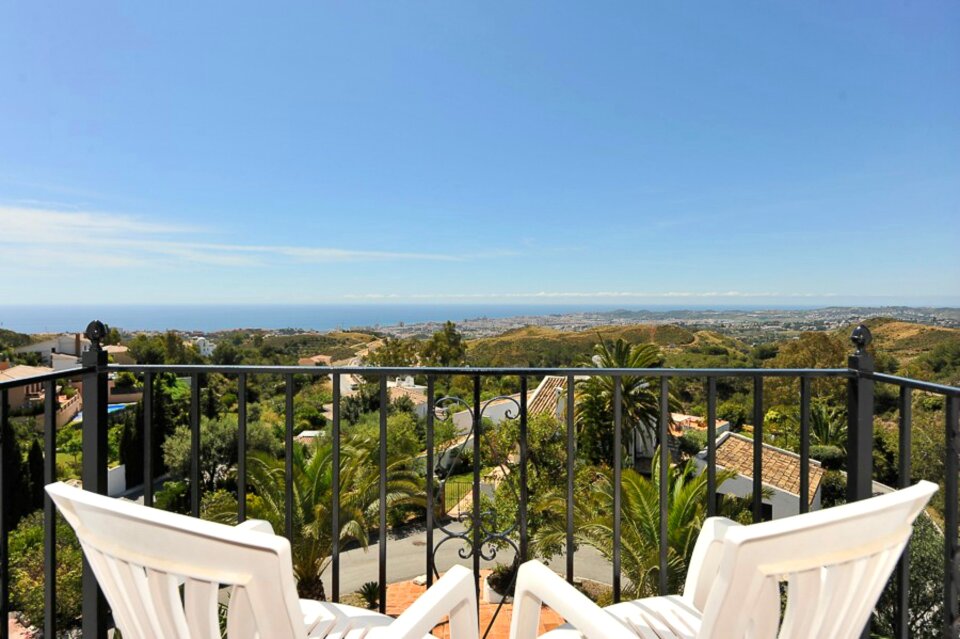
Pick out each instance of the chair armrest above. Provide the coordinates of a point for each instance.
(454, 595)
(256, 525)
(705, 560)
(537, 585)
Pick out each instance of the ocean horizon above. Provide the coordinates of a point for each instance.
(319, 317)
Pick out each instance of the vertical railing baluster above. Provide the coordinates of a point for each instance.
(476, 524)
(5, 432)
(335, 481)
(860, 407)
(951, 547)
(664, 467)
(758, 448)
(242, 447)
(49, 510)
(617, 480)
(571, 452)
(195, 444)
(288, 460)
(148, 471)
(523, 468)
(93, 471)
(384, 404)
(904, 472)
(804, 444)
(711, 446)
(430, 473)
(860, 418)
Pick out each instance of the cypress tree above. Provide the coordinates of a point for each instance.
(35, 474)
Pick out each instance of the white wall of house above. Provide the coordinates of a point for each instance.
(204, 346)
(496, 413)
(782, 503)
(116, 480)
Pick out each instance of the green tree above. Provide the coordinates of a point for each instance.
(640, 399)
(227, 354)
(393, 352)
(810, 350)
(35, 474)
(218, 449)
(16, 495)
(131, 447)
(640, 523)
(147, 349)
(445, 348)
(313, 495)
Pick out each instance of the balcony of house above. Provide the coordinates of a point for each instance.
(583, 468)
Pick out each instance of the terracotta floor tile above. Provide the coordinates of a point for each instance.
(401, 595)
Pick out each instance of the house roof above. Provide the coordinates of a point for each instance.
(21, 371)
(545, 398)
(416, 395)
(680, 423)
(781, 468)
(116, 348)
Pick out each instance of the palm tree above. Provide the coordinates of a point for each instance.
(828, 426)
(312, 482)
(640, 524)
(640, 398)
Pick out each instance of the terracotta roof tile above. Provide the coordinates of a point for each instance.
(416, 395)
(22, 371)
(545, 398)
(781, 468)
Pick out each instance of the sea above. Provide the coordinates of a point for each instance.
(320, 317)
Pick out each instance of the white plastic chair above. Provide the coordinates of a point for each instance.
(141, 556)
(836, 563)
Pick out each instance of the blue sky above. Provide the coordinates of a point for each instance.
(754, 152)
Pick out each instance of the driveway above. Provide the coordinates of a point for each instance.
(407, 557)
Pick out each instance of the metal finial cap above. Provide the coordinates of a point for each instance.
(95, 332)
(861, 337)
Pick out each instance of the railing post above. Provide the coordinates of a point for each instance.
(860, 416)
(94, 468)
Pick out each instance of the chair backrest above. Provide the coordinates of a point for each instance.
(835, 563)
(141, 556)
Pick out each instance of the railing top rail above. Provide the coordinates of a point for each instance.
(43, 377)
(486, 370)
(917, 384)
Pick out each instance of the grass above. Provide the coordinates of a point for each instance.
(453, 489)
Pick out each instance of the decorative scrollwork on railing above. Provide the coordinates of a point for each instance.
(480, 536)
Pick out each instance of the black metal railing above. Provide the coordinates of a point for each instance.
(476, 538)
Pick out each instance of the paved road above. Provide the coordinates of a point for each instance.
(406, 559)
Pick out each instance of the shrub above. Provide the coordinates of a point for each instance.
(370, 593)
(27, 578)
(693, 441)
(830, 457)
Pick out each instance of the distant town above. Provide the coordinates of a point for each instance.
(749, 325)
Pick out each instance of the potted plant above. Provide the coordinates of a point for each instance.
(499, 584)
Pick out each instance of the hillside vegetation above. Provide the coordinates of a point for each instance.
(548, 347)
(906, 340)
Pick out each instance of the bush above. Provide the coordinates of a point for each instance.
(693, 441)
(834, 489)
(174, 497)
(830, 457)
(26, 572)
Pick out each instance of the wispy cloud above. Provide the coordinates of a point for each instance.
(47, 237)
